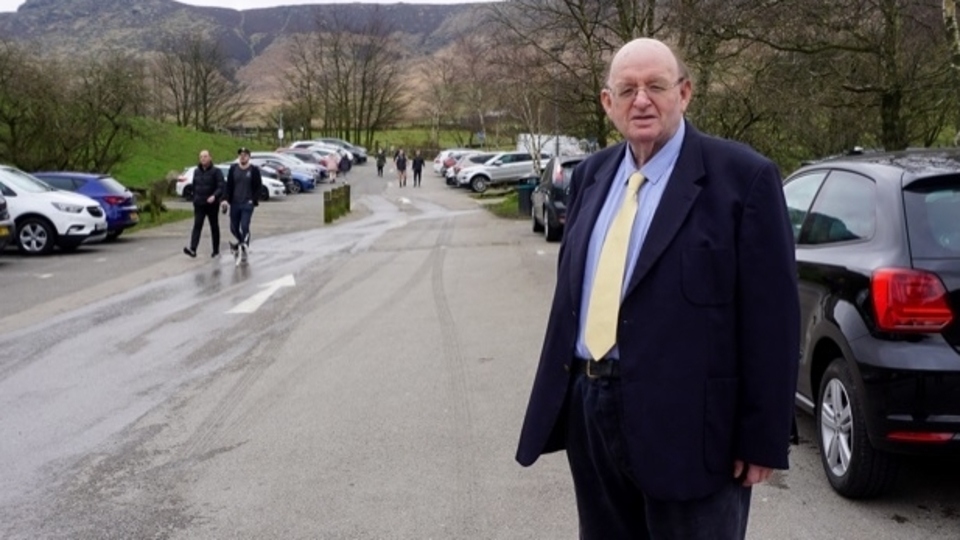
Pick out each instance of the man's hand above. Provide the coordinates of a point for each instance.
(755, 474)
(210, 199)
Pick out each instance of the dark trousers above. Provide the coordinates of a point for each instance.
(609, 503)
(379, 170)
(240, 216)
(201, 211)
(416, 177)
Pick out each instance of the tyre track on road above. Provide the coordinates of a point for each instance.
(465, 486)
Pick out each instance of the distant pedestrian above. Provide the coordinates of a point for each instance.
(332, 162)
(344, 166)
(401, 163)
(242, 195)
(417, 165)
(208, 186)
(381, 161)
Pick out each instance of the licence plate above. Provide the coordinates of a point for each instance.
(4, 231)
(100, 227)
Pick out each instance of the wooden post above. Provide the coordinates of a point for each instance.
(327, 207)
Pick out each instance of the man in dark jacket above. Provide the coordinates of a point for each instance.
(207, 190)
(243, 188)
(417, 165)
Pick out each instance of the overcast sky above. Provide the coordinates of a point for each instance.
(12, 5)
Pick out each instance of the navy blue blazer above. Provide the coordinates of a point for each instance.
(709, 326)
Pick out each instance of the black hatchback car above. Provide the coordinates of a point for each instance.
(878, 257)
(548, 207)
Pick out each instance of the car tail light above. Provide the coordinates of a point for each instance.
(115, 200)
(920, 437)
(907, 300)
(181, 179)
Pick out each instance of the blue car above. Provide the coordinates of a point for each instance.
(304, 180)
(118, 203)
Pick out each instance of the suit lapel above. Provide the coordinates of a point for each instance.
(593, 196)
(681, 192)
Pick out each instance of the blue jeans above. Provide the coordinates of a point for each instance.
(240, 215)
(609, 503)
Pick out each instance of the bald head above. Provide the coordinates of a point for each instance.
(646, 95)
(645, 49)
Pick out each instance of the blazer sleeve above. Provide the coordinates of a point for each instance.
(769, 331)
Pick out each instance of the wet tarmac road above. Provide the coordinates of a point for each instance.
(361, 380)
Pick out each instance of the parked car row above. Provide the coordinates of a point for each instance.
(479, 171)
(878, 263)
(41, 217)
(278, 180)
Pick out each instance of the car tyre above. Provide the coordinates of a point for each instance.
(478, 184)
(537, 226)
(264, 193)
(552, 234)
(853, 467)
(187, 193)
(295, 188)
(36, 236)
(113, 235)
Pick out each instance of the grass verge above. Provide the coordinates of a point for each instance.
(507, 208)
(170, 216)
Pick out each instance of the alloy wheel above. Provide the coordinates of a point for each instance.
(836, 427)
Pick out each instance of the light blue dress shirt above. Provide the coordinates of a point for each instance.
(657, 172)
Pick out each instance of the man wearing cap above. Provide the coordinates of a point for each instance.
(243, 187)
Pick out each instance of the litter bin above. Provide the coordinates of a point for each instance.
(525, 195)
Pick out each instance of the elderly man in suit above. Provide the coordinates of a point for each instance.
(669, 364)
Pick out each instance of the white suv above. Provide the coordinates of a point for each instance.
(46, 217)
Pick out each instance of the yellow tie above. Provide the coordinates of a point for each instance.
(603, 310)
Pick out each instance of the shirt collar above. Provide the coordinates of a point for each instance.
(656, 169)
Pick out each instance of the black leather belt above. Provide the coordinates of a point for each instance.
(597, 369)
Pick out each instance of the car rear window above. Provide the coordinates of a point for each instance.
(933, 217)
(562, 175)
(113, 186)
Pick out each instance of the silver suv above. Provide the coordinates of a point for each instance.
(502, 168)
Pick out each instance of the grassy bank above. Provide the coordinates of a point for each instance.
(163, 148)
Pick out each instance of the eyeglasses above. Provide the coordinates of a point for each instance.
(653, 90)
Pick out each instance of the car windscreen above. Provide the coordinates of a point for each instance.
(306, 157)
(933, 217)
(18, 180)
(480, 158)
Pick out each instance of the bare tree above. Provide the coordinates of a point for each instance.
(578, 37)
(77, 116)
(347, 79)
(442, 91)
(198, 85)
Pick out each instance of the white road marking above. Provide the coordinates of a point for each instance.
(44, 276)
(252, 304)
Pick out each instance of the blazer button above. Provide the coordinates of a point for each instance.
(566, 367)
